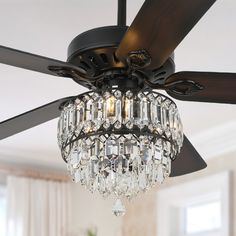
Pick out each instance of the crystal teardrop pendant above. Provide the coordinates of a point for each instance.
(118, 208)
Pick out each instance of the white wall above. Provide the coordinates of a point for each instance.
(89, 210)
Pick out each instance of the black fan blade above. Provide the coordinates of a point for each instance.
(160, 26)
(34, 62)
(203, 87)
(31, 118)
(187, 161)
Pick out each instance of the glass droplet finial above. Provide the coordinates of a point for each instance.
(118, 208)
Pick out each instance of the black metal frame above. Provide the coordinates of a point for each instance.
(123, 130)
(136, 132)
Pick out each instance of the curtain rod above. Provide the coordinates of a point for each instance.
(32, 173)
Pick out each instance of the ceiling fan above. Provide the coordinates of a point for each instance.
(136, 58)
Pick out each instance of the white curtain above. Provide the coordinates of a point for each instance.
(37, 207)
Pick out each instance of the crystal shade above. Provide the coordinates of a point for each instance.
(120, 143)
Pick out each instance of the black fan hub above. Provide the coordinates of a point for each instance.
(94, 52)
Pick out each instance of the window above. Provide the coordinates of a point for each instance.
(203, 217)
(2, 210)
(196, 208)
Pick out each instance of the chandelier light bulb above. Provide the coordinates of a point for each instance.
(120, 143)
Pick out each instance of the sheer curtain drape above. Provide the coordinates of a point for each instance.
(37, 207)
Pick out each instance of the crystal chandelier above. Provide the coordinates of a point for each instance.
(120, 143)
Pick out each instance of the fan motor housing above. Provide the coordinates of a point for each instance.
(94, 52)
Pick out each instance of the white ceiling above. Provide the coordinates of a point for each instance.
(47, 27)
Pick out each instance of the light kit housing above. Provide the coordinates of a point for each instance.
(120, 143)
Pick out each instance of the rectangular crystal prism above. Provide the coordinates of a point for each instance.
(60, 129)
(71, 118)
(155, 113)
(127, 110)
(118, 111)
(144, 111)
(97, 111)
(136, 111)
(80, 114)
(165, 121)
(110, 109)
(112, 147)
